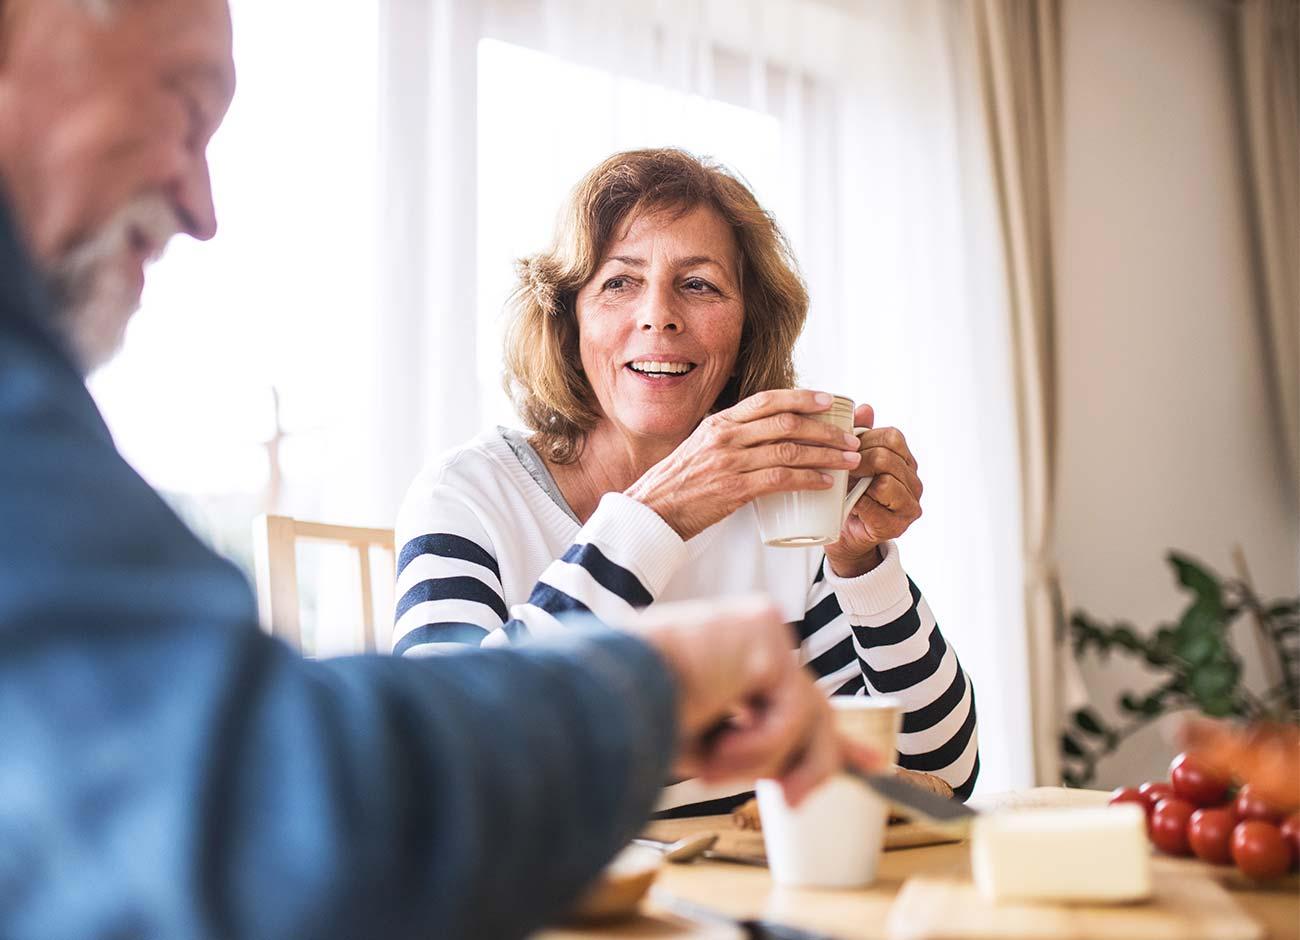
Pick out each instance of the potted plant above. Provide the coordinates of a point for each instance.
(1196, 664)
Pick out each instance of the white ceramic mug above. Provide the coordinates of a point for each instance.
(813, 517)
(834, 838)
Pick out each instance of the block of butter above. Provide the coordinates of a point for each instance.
(1088, 855)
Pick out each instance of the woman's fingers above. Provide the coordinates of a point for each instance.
(885, 512)
(790, 454)
(778, 400)
(890, 439)
(789, 426)
(879, 462)
(757, 483)
(893, 496)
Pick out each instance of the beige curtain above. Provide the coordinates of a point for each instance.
(1268, 33)
(1019, 61)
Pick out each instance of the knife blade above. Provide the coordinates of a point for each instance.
(922, 804)
(753, 929)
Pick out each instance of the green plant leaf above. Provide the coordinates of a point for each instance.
(1219, 707)
(1164, 644)
(1089, 722)
(1213, 683)
(1070, 746)
(1126, 637)
(1199, 636)
(1199, 580)
(1200, 648)
(1156, 658)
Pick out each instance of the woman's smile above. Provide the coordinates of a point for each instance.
(661, 372)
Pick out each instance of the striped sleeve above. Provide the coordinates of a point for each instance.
(450, 586)
(619, 563)
(449, 591)
(876, 635)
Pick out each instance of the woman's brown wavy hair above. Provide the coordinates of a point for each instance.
(543, 374)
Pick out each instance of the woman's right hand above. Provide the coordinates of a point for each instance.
(764, 444)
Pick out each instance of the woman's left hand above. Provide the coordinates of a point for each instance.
(889, 506)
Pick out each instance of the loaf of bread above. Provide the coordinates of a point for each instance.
(745, 816)
(926, 781)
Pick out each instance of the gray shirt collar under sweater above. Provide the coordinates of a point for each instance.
(536, 467)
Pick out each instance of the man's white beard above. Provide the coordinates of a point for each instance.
(93, 287)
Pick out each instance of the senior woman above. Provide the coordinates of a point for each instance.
(650, 353)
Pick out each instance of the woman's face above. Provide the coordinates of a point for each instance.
(659, 324)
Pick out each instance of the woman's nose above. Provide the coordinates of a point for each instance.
(659, 314)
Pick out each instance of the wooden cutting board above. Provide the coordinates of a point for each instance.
(1184, 907)
(749, 844)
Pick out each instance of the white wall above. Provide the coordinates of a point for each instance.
(1166, 438)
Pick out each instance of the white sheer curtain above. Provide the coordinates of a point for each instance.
(852, 126)
(278, 302)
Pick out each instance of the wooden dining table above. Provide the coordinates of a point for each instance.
(695, 900)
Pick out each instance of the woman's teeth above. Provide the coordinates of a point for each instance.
(661, 368)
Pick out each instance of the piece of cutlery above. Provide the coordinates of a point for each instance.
(920, 804)
(697, 846)
(752, 929)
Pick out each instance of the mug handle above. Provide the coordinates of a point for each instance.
(858, 488)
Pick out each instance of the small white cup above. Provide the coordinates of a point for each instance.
(834, 838)
(813, 517)
(831, 840)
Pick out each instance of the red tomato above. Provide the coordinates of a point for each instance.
(1196, 783)
(1259, 850)
(1209, 832)
(1154, 791)
(1251, 806)
(1131, 795)
(1126, 795)
(1169, 825)
(1291, 832)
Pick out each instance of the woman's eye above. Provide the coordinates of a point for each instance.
(616, 283)
(698, 285)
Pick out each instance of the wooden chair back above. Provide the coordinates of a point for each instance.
(275, 553)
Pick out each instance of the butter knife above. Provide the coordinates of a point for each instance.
(919, 804)
(752, 929)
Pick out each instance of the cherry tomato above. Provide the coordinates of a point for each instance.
(1169, 825)
(1291, 832)
(1250, 805)
(1153, 791)
(1209, 833)
(1131, 795)
(1197, 783)
(1126, 795)
(1259, 850)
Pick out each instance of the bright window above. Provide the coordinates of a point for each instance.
(276, 300)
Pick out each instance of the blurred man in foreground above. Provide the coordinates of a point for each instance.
(167, 770)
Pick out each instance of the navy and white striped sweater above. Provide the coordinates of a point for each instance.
(489, 557)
